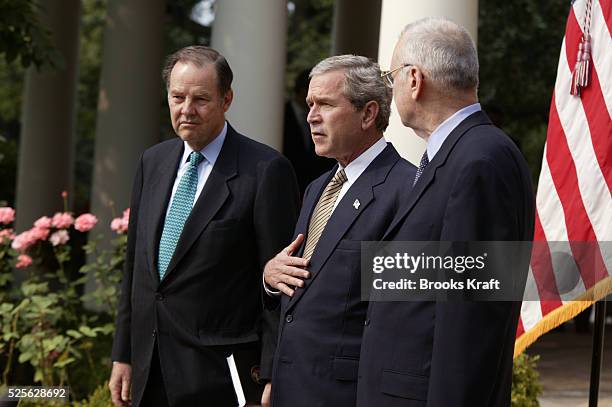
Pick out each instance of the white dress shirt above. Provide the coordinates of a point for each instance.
(356, 167)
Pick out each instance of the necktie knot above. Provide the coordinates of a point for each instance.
(340, 178)
(195, 158)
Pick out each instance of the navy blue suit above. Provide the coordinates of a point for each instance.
(445, 354)
(317, 356)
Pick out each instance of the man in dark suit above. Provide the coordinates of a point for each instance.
(208, 210)
(472, 185)
(317, 355)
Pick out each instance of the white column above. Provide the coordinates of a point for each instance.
(129, 100)
(395, 15)
(48, 119)
(252, 36)
(356, 27)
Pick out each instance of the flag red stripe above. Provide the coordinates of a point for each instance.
(606, 8)
(520, 329)
(541, 266)
(593, 102)
(579, 228)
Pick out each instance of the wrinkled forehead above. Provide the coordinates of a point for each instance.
(328, 83)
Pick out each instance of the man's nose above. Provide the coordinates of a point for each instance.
(187, 108)
(313, 115)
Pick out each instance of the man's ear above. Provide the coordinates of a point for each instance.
(416, 81)
(227, 99)
(370, 112)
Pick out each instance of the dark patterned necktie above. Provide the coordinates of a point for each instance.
(422, 165)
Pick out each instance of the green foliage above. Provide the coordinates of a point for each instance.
(518, 47)
(99, 398)
(525, 382)
(308, 36)
(21, 36)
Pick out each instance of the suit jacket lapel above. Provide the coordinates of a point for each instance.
(429, 174)
(213, 195)
(345, 213)
(158, 195)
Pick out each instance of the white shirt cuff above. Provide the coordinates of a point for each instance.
(269, 290)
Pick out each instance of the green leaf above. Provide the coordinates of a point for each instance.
(74, 334)
(24, 357)
(87, 331)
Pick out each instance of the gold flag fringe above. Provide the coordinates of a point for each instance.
(564, 313)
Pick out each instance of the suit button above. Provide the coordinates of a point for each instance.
(154, 333)
(159, 296)
(289, 318)
(366, 322)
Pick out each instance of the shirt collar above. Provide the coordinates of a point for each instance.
(354, 169)
(441, 132)
(211, 151)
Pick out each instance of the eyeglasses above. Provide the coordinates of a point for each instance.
(388, 77)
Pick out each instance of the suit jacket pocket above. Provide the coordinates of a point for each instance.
(406, 385)
(346, 244)
(222, 224)
(208, 338)
(345, 368)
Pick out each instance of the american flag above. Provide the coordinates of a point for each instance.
(572, 255)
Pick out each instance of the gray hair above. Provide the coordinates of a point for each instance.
(362, 83)
(200, 55)
(444, 50)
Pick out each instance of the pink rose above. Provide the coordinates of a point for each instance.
(59, 237)
(85, 222)
(39, 233)
(44, 222)
(7, 215)
(23, 261)
(22, 241)
(26, 239)
(118, 225)
(62, 220)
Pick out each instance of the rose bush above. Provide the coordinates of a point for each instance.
(48, 320)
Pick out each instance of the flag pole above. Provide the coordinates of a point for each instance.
(598, 340)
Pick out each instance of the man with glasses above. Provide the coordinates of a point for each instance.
(472, 185)
(323, 316)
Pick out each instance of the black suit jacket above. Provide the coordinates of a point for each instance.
(209, 303)
(446, 354)
(317, 357)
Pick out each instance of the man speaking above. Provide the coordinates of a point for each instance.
(316, 361)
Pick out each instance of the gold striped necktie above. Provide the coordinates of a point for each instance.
(322, 212)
